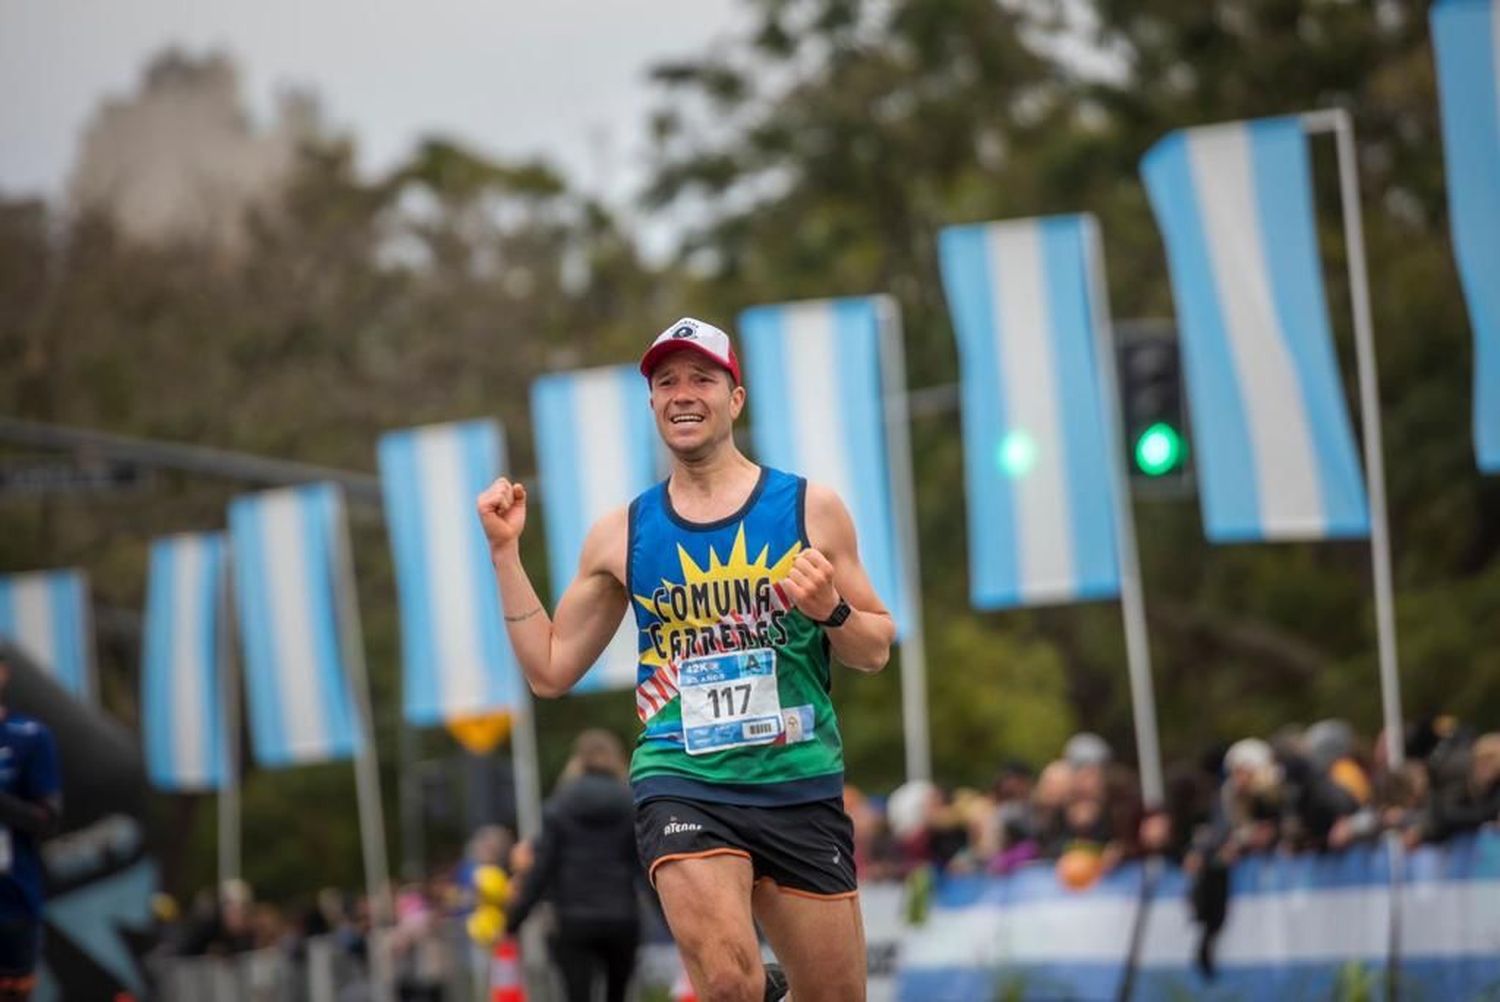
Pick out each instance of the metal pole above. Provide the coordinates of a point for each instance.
(1338, 122)
(361, 487)
(229, 788)
(1132, 600)
(523, 758)
(904, 509)
(366, 761)
(367, 785)
(409, 790)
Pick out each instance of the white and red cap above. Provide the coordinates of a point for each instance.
(688, 334)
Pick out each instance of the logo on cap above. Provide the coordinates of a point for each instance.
(686, 330)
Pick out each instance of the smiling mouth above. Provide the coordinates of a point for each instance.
(686, 419)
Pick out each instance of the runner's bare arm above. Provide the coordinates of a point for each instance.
(831, 569)
(555, 652)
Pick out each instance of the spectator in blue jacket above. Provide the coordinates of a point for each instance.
(30, 807)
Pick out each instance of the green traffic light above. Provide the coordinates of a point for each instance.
(1158, 450)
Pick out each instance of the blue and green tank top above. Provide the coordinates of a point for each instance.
(733, 684)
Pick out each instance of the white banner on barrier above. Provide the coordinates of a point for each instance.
(1296, 926)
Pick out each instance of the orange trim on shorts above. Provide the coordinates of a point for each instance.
(814, 895)
(721, 851)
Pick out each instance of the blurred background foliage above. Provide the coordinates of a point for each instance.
(817, 154)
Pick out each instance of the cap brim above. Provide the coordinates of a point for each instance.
(657, 352)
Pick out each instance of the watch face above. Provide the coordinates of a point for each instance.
(839, 614)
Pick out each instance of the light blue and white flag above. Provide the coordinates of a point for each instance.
(182, 662)
(1275, 451)
(290, 554)
(46, 615)
(1040, 490)
(817, 410)
(596, 446)
(1466, 34)
(457, 658)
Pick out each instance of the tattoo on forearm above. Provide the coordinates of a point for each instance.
(523, 616)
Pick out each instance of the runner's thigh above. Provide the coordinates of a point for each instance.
(820, 941)
(707, 903)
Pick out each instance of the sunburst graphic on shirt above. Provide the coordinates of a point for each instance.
(734, 603)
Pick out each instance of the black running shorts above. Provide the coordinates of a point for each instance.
(803, 848)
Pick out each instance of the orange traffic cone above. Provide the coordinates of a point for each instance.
(507, 980)
(682, 989)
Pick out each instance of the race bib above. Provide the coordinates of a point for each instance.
(729, 700)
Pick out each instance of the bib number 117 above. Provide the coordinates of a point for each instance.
(723, 700)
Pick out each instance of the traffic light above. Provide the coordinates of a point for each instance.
(1153, 408)
(1158, 450)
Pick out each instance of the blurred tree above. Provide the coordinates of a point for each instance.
(821, 154)
(816, 155)
(436, 292)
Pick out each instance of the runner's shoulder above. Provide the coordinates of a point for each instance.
(828, 518)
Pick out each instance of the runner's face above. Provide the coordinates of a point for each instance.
(695, 403)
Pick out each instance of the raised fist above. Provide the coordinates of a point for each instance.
(809, 584)
(502, 513)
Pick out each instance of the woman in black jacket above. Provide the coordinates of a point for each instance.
(585, 864)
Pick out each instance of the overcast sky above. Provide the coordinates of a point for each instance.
(564, 78)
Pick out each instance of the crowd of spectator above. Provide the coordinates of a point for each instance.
(1309, 789)
(1315, 789)
(427, 940)
(582, 865)
(1302, 790)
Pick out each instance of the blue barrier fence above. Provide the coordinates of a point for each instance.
(1303, 927)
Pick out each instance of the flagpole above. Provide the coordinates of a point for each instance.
(367, 789)
(1132, 595)
(523, 760)
(229, 782)
(367, 795)
(366, 760)
(409, 794)
(903, 497)
(1339, 123)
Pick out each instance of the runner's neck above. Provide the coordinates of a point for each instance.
(708, 489)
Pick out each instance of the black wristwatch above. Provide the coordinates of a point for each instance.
(840, 613)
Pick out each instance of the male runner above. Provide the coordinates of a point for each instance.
(30, 806)
(742, 579)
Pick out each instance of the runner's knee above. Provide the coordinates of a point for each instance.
(729, 973)
(732, 985)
